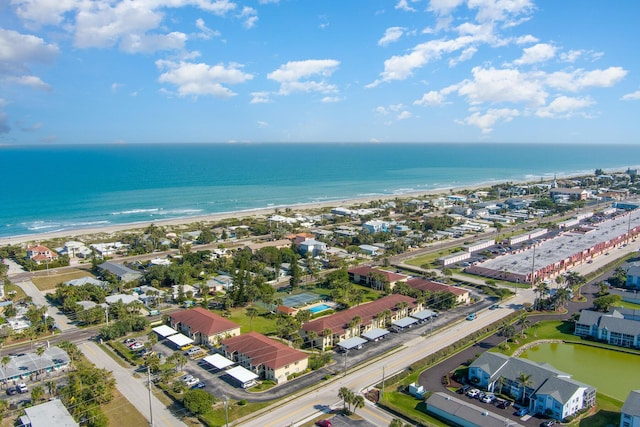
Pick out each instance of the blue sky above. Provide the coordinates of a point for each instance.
(141, 71)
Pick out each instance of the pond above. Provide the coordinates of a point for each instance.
(613, 373)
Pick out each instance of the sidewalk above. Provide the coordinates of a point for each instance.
(134, 390)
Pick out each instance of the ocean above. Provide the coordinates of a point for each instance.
(56, 188)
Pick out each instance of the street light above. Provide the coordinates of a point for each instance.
(226, 409)
(345, 361)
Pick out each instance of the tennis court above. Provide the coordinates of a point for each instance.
(299, 300)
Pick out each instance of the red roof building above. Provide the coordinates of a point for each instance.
(203, 326)
(40, 254)
(370, 315)
(268, 358)
(374, 278)
(462, 295)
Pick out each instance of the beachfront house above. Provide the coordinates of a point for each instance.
(269, 359)
(630, 412)
(40, 254)
(549, 391)
(312, 247)
(376, 226)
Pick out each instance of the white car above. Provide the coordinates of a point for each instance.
(488, 398)
(186, 378)
(136, 346)
(474, 392)
(192, 381)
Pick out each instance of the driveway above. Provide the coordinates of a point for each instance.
(62, 322)
(134, 390)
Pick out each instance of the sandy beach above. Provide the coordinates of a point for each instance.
(87, 233)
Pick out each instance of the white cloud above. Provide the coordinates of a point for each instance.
(431, 99)
(571, 56)
(250, 16)
(33, 82)
(262, 124)
(444, 7)
(404, 5)
(580, 79)
(291, 75)
(115, 86)
(205, 32)
(564, 107)
(391, 35)
(486, 121)
(18, 50)
(404, 115)
(149, 43)
(330, 99)
(202, 79)
(490, 85)
(260, 98)
(633, 96)
(507, 11)
(540, 52)
(527, 39)
(44, 12)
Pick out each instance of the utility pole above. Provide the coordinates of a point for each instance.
(106, 314)
(345, 361)
(382, 388)
(150, 406)
(226, 409)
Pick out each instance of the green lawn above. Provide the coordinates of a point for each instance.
(50, 281)
(629, 305)
(407, 405)
(607, 413)
(122, 413)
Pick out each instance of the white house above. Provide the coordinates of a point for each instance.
(630, 412)
(313, 247)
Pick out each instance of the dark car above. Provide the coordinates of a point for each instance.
(11, 391)
(198, 385)
(548, 423)
(463, 389)
(503, 404)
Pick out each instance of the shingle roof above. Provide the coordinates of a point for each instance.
(632, 404)
(262, 350)
(338, 322)
(364, 270)
(431, 286)
(200, 320)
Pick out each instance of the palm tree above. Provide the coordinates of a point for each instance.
(524, 324)
(311, 336)
(358, 402)
(51, 388)
(37, 393)
(326, 333)
(502, 381)
(251, 313)
(5, 360)
(525, 381)
(347, 396)
(507, 330)
(355, 324)
(535, 326)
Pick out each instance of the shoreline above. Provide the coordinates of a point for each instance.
(78, 234)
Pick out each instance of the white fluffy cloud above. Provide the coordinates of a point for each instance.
(580, 79)
(564, 107)
(293, 76)
(199, 79)
(432, 99)
(490, 85)
(633, 96)
(540, 52)
(18, 51)
(486, 121)
(391, 35)
(33, 82)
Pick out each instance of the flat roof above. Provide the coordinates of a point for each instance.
(218, 361)
(404, 322)
(352, 343)
(180, 340)
(424, 314)
(164, 331)
(243, 375)
(52, 413)
(374, 334)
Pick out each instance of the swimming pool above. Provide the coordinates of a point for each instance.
(319, 308)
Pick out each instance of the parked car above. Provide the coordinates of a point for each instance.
(488, 398)
(503, 404)
(192, 381)
(463, 389)
(129, 341)
(22, 388)
(186, 378)
(136, 346)
(131, 344)
(548, 423)
(199, 385)
(522, 412)
(323, 423)
(473, 393)
(11, 391)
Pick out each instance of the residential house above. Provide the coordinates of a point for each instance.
(630, 412)
(121, 271)
(549, 391)
(269, 359)
(461, 295)
(612, 328)
(633, 276)
(108, 249)
(370, 250)
(312, 247)
(220, 283)
(49, 414)
(570, 193)
(75, 250)
(203, 326)
(340, 325)
(40, 254)
(374, 278)
(375, 226)
(87, 280)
